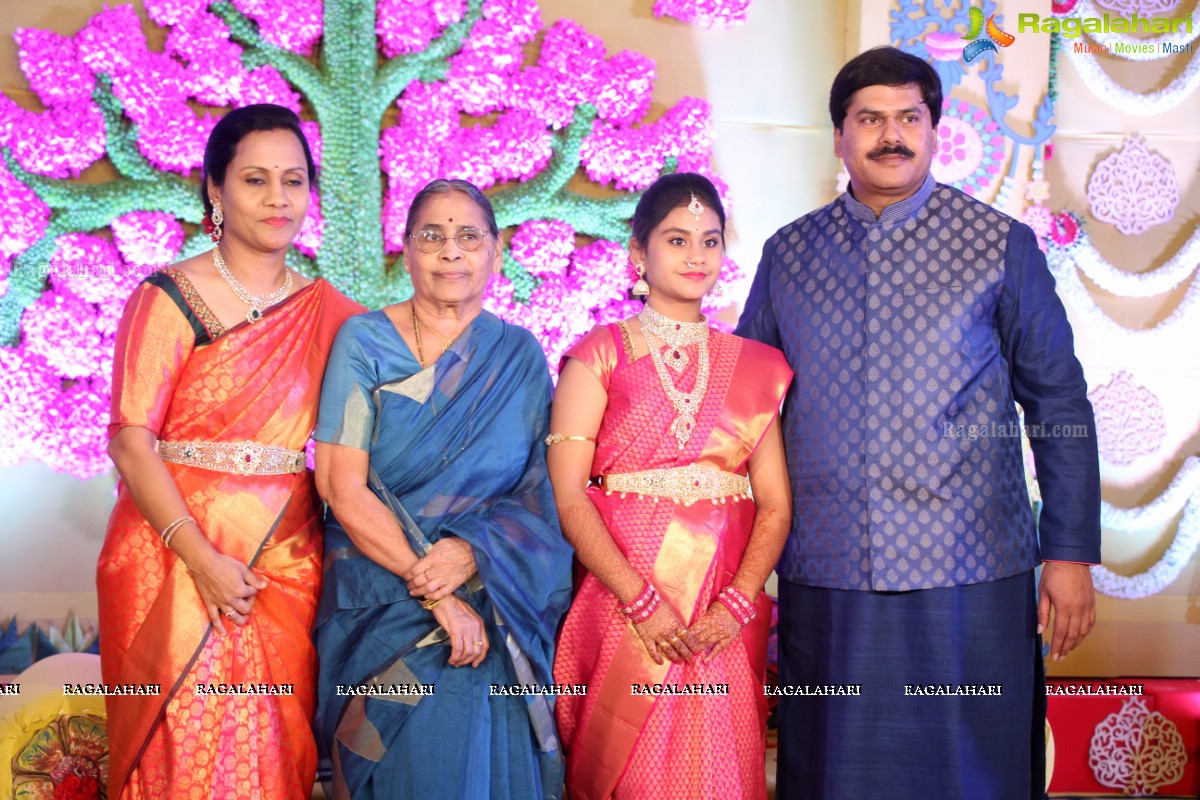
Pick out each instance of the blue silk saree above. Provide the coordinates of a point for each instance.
(455, 450)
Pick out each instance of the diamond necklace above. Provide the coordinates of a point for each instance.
(256, 303)
(678, 335)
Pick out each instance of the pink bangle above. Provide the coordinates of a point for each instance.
(644, 605)
(738, 604)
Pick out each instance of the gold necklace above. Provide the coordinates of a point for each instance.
(256, 302)
(417, 335)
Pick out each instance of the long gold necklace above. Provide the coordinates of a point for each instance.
(256, 302)
(417, 335)
(678, 335)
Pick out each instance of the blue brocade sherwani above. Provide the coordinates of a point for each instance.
(911, 336)
(910, 557)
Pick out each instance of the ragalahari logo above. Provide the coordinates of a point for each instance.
(995, 36)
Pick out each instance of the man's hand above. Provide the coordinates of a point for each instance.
(1067, 588)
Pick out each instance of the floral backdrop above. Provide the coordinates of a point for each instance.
(394, 94)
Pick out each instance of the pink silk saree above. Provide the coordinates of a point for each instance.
(694, 746)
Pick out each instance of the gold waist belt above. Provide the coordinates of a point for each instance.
(682, 484)
(240, 458)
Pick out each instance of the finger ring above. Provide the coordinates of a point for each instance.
(675, 638)
(229, 614)
(479, 644)
(661, 645)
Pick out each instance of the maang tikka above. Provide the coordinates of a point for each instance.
(695, 207)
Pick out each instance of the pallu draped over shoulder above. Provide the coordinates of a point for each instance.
(179, 373)
(456, 449)
(618, 742)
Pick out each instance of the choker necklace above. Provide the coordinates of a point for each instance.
(678, 335)
(256, 303)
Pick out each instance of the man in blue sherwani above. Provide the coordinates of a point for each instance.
(915, 318)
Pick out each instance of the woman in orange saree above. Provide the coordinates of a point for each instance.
(656, 422)
(210, 570)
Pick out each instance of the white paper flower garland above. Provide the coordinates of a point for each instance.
(1131, 284)
(1165, 571)
(1122, 99)
(1183, 325)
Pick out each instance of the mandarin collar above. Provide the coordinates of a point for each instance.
(897, 211)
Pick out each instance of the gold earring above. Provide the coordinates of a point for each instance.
(640, 288)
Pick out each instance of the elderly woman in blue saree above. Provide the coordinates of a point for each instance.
(446, 573)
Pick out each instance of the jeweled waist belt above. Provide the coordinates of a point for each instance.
(684, 485)
(240, 458)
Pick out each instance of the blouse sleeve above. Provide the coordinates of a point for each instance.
(597, 350)
(347, 414)
(154, 341)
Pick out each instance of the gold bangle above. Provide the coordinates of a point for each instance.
(430, 605)
(555, 438)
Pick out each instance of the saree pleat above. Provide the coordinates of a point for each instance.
(455, 450)
(255, 383)
(626, 746)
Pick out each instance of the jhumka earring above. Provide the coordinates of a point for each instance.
(214, 228)
(716, 291)
(640, 288)
(695, 207)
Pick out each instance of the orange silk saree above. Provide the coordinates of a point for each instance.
(633, 746)
(180, 374)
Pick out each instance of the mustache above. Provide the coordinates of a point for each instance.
(891, 150)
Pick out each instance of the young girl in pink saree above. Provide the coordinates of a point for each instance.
(660, 428)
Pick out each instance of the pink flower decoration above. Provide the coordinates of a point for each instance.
(173, 12)
(1066, 229)
(25, 217)
(61, 327)
(308, 241)
(173, 138)
(632, 158)
(408, 26)
(312, 134)
(1041, 220)
(705, 13)
(60, 142)
(266, 85)
(150, 239)
(112, 41)
(602, 274)
(51, 63)
(544, 247)
(79, 444)
(1133, 188)
(480, 72)
(29, 389)
(295, 25)
(214, 68)
(625, 85)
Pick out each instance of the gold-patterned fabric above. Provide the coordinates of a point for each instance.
(252, 383)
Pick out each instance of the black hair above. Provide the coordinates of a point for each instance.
(232, 128)
(669, 193)
(445, 186)
(884, 66)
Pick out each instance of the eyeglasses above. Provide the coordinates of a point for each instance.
(430, 241)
